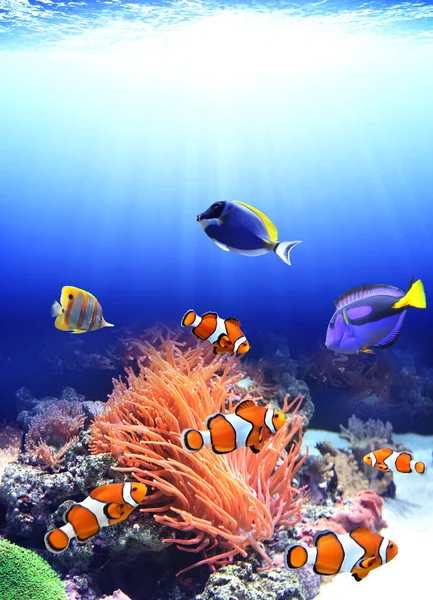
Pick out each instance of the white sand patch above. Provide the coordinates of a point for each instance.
(410, 526)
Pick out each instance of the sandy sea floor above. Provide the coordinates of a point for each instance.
(410, 525)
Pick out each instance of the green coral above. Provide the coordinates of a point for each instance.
(24, 575)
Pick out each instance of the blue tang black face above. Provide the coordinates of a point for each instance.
(213, 212)
(360, 323)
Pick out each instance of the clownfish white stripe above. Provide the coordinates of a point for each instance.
(268, 420)
(196, 321)
(353, 552)
(382, 550)
(207, 441)
(219, 329)
(97, 509)
(238, 342)
(243, 429)
(126, 494)
(390, 461)
(373, 459)
(69, 530)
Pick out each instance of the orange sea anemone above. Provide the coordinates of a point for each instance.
(220, 504)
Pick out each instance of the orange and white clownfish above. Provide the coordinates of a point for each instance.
(388, 460)
(224, 334)
(357, 552)
(78, 311)
(249, 425)
(106, 505)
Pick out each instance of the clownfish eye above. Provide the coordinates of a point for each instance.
(71, 297)
(391, 545)
(134, 489)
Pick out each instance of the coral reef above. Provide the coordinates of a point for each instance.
(117, 595)
(79, 587)
(28, 407)
(219, 504)
(273, 377)
(52, 432)
(10, 446)
(342, 472)
(240, 581)
(362, 510)
(25, 575)
(335, 473)
(31, 495)
(365, 437)
(389, 383)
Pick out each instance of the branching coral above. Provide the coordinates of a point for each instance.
(53, 431)
(219, 504)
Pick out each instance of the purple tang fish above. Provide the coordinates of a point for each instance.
(371, 316)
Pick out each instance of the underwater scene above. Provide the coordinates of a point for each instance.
(216, 350)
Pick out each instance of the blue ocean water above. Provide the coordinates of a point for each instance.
(120, 122)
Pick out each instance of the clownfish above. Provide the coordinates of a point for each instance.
(78, 311)
(388, 460)
(248, 426)
(224, 334)
(106, 505)
(241, 228)
(357, 552)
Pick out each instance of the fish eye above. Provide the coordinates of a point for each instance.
(332, 324)
(71, 297)
(391, 545)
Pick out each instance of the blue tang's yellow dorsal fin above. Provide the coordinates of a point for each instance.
(270, 227)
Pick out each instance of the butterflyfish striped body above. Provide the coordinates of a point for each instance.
(79, 311)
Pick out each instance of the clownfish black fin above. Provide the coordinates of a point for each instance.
(367, 562)
(233, 321)
(243, 406)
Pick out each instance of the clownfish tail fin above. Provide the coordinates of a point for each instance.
(192, 440)
(56, 541)
(283, 249)
(188, 318)
(296, 556)
(419, 467)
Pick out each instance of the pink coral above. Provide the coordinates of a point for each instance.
(362, 510)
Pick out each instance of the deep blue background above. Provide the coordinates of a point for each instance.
(106, 159)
